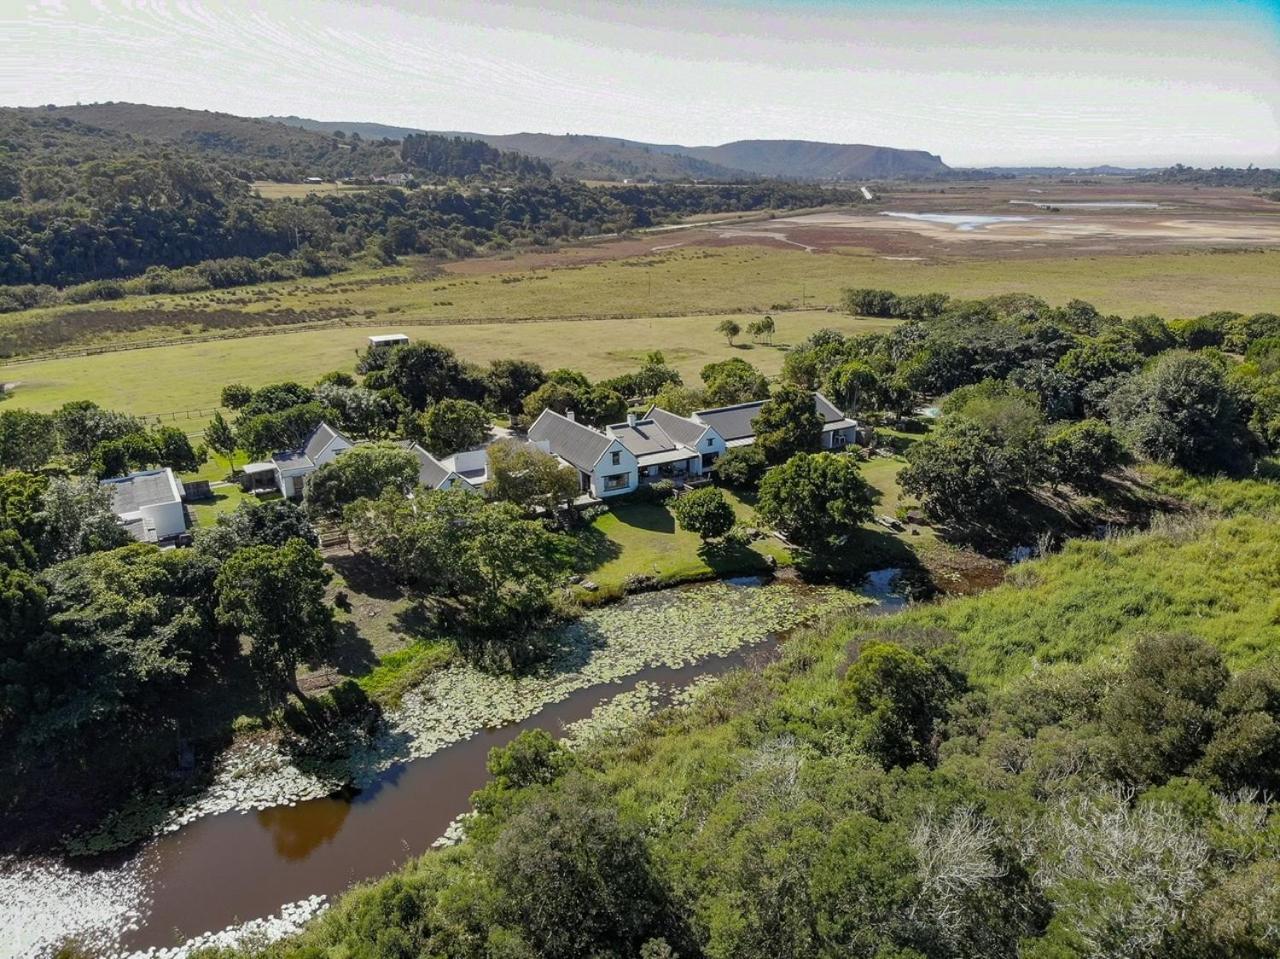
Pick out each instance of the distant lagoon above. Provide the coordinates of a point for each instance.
(961, 221)
(1089, 205)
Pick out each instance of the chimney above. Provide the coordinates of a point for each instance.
(631, 419)
(570, 416)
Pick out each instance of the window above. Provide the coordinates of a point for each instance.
(617, 481)
(710, 442)
(617, 458)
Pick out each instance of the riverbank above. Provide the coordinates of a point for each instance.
(258, 796)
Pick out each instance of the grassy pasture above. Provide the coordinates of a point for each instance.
(680, 280)
(270, 190)
(191, 376)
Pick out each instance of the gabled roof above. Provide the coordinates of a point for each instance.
(431, 472)
(577, 445)
(319, 440)
(679, 428)
(735, 422)
(643, 437)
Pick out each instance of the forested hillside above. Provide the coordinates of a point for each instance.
(81, 203)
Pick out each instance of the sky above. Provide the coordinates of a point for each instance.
(980, 82)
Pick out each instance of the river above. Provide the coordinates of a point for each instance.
(226, 869)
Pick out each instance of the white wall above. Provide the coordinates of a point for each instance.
(168, 519)
(626, 464)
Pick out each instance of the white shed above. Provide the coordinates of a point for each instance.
(149, 504)
(388, 340)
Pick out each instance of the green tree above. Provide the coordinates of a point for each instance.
(27, 440)
(362, 472)
(1162, 713)
(221, 438)
(118, 457)
(733, 381)
(287, 429)
(705, 512)
(174, 450)
(266, 523)
(450, 426)
(235, 395)
(897, 700)
(521, 473)
(77, 518)
(1180, 411)
(276, 597)
(425, 373)
(852, 382)
(960, 474)
(816, 499)
(788, 423)
(729, 329)
(508, 382)
(574, 878)
(741, 468)
(681, 400)
(1082, 453)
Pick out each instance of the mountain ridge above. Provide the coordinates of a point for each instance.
(590, 155)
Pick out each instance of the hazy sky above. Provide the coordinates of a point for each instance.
(1047, 81)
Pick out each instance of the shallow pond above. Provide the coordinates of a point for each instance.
(218, 871)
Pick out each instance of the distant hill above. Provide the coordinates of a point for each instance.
(597, 157)
(609, 158)
(807, 159)
(279, 150)
(370, 131)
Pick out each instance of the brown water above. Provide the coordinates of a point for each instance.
(225, 869)
(222, 870)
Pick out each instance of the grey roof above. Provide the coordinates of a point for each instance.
(574, 443)
(646, 436)
(679, 428)
(735, 422)
(304, 458)
(320, 437)
(149, 488)
(431, 472)
(296, 459)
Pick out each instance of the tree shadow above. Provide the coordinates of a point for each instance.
(350, 653)
(733, 558)
(591, 549)
(646, 516)
(366, 575)
(416, 621)
(863, 551)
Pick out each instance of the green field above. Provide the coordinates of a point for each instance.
(686, 280)
(162, 380)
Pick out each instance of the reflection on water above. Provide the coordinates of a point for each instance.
(297, 831)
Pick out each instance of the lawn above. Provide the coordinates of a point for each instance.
(191, 376)
(642, 539)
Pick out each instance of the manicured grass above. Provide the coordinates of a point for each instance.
(643, 539)
(225, 500)
(189, 376)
